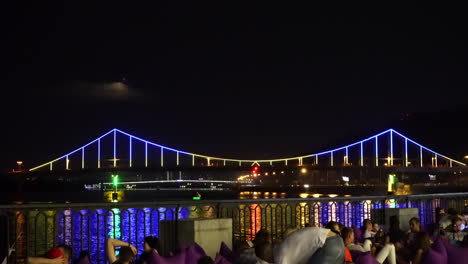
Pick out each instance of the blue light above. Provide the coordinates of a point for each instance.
(350, 145)
(406, 152)
(362, 155)
(130, 152)
(146, 154)
(421, 146)
(238, 160)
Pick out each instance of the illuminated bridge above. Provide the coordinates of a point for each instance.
(117, 149)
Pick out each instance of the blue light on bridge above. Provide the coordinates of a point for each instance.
(239, 161)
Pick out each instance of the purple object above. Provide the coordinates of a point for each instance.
(226, 252)
(221, 260)
(434, 257)
(358, 236)
(155, 258)
(365, 258)
(193, 254)
(456, 254)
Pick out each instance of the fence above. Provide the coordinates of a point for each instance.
(33, 228)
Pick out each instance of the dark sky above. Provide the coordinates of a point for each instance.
(236, 81)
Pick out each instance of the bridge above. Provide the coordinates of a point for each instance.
(117, 149)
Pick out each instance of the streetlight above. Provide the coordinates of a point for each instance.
(19, 162)
(304, 170)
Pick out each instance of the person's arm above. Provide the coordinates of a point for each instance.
(111, 244)
(418, 257)
(40, 260)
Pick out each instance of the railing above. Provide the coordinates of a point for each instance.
(83, 226)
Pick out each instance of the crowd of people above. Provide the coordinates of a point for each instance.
(333, 243)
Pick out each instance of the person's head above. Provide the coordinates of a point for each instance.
(439, 211)
(367, 225)
(126, 254)
(333, 226)
(151, 242)
(422, 241)
(452, 211)
(205, 260)
(394, 223)
(347, 234)
(375, 227)
(264, 251)
(457, 224)
(262, 236)
(66, 250)
(415, 225)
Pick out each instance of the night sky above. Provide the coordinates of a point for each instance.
(235, 81)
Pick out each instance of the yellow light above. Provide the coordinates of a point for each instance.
(303, 195)
(316, 195)
(466, 157)
(332, 195)
(303, 170)
(19, 162)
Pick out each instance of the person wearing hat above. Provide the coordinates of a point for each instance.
(57, 255)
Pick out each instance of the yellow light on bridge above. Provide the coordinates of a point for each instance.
(304, 170)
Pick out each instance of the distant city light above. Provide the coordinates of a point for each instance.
(345, 178)
(304, 170)
(306, 185)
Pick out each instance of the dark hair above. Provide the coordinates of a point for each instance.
(415, 219)
(394, 223)
(346, 232)
(262, 236)
(330, 225)
(205, 260)
(456, 219)
(67, 250)
(422, 241)
(153, 242)
(126, 254)
(452, 211)
(364, 223)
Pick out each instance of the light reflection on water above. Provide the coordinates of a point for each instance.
(87, 229)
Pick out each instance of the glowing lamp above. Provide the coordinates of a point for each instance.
(115, 180)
